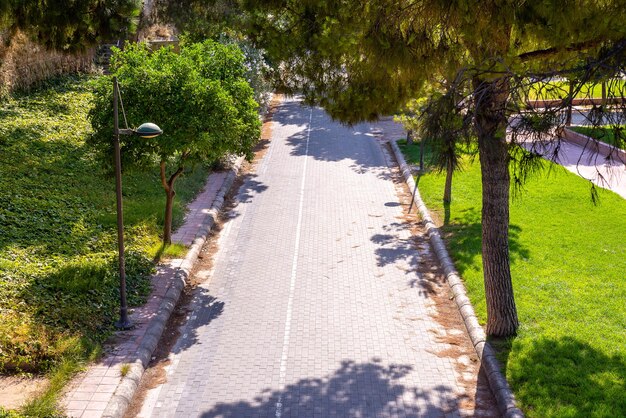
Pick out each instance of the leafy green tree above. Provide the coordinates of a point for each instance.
(443, 120)
(361, 59)
(199, 98)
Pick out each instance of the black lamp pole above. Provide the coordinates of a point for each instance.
(145, 130)
(124, 322)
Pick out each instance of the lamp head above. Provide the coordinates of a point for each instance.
(148, 130)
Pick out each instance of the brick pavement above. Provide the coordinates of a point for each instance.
(90, 392)
(312, 308)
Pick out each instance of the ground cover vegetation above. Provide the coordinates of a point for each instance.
(199, 97)
(58, 276)
(567, 260)
(361, 59)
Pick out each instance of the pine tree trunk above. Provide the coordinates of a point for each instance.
(167, 224)
(422, 150)
(491, 121)
(568, 116)
(447, 191)
(409, 137)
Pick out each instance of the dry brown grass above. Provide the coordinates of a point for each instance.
(24, 64)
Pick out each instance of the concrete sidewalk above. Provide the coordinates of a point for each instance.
(316, 306)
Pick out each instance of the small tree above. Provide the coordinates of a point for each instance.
(199, 98)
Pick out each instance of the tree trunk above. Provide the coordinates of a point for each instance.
(170, 193)
(603, 94)
(447, 191)
(409, 137)
(491, 97)
(167, 223)
(568, 117)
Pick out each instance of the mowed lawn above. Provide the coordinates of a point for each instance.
(568, 262)
(560, 89)
(58, 269)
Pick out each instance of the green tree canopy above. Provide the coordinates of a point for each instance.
(69, 25)
(199, 98)
(361, 59)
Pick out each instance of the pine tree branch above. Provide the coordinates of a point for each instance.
(542, 53)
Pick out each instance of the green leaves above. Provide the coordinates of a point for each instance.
(199, 98)
(70, 25)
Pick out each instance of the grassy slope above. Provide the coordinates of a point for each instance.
(568, 261)
(58, 281)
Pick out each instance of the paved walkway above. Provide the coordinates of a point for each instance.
(314, 308)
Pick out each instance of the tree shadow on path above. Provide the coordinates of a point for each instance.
(354, 390)
(329, 141)
(204, 309)
(395, 249)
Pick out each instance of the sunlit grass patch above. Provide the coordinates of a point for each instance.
(568, 262)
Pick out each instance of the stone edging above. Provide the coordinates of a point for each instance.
(486, 354)
(128, 385)
(595, 145)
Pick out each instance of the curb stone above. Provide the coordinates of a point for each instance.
(596, 145)
(498, 384)
(127, 387)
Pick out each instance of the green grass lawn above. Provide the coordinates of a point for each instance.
(605, 134)
(568, 262)
(560, 89)
(58, 242)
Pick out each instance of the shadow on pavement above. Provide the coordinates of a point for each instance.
(205, 308)
(249, 189)
(354, 390)
(330, 141)
(394, 249)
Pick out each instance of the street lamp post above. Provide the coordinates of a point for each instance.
(146, 130)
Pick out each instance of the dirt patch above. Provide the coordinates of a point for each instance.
(15, 391)
(477, 399)
(155, 373)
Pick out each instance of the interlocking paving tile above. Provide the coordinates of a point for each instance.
(312, 308)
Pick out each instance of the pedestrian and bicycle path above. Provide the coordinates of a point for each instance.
(314, 307)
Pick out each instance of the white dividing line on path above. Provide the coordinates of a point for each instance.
(292, 283)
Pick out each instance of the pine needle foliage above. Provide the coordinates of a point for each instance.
(363, 59)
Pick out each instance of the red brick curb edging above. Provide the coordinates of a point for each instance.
(498, 384)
